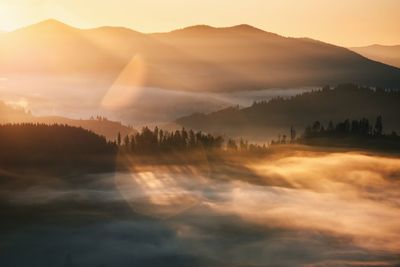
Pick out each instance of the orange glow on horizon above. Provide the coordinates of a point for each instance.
(346, 23)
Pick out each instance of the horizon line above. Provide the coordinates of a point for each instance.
(183, 28)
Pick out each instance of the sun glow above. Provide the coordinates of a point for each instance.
(339, 22)
(21, 103)
(127, 86)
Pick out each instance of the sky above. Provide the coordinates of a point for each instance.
(341, 22)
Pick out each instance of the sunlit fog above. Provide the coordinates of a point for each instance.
(309, 208)
(199, 133)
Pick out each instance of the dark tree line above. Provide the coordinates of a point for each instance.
(149, 141)
(362, 127)
(244, 146)
(352, 133)
(152, 141)
(328, 103)
(349, 90)
(41, 145)
(283, 138)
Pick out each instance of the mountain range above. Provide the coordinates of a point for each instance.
(197, 58)
(112, 70)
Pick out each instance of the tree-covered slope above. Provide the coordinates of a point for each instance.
(344, 101)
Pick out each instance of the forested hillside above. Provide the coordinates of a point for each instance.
(99, 124)
(271, 117)
(58, 147)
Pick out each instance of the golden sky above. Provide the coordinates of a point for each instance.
(342, 22)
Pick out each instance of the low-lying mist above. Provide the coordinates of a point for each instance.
(287, 209)
(132, 104)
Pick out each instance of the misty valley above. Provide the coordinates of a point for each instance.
(203, 146)
(71, 198)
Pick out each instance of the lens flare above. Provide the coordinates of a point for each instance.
(127, 86)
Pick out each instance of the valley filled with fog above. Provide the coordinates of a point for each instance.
(304, 208)
(202, 146)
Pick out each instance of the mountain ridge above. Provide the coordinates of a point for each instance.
(54, 23)
(387, 54)
(277, 115)
(83, 68)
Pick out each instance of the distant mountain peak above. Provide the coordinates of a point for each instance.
(206, 29)
(388, 54)
(49, 25)
(53, 23)
(382, 46)
(195, 29)
(246, 27)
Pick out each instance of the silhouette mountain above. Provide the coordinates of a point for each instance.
(198, 58)
(388, 54)
(56, 48)
(205, 30)
(50, 25)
